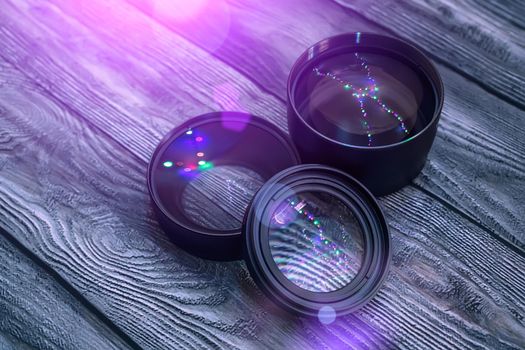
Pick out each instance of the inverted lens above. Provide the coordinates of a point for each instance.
(316, 241)
(365, 98)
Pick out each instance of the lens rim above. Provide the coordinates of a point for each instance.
(266, 273)
(208, 243)
(351, 42)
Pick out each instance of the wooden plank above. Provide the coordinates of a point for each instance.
(37, 312)
(438, 294)
(504, 12)
(463, 35)
(475, 147)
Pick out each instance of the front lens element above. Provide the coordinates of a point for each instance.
(365, 98)
(316, 241)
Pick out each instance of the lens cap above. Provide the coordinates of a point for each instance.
(194, 150)
(316, 241)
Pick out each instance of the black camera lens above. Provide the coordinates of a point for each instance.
(210, 162)
(316, 241)
(368, 104)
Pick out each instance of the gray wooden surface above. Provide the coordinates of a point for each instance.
(87, 89)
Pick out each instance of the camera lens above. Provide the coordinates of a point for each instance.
(367, 104)
(205, 172)
(316, 241)
(365, 98)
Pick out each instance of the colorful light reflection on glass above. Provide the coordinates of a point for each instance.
(195, 146)
(362, 94)
(316, 241)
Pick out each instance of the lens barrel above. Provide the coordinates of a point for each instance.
(381, 121)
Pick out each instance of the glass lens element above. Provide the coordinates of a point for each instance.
(207, 174)
(364, 98)
(218, 198)
(316, 241)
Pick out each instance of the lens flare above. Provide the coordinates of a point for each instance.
(207, 20)
(179, 9)
(326, 315)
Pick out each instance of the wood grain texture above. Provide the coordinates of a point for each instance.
(476, 131)
(466, 36)
(234, 185)
(78, 199)
(37, 312)
(80, 203)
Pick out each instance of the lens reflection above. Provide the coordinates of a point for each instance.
(207, 174)
(363, 98)
(218, 198)
(316, 241)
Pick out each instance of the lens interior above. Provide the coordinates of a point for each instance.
(217, 198)
(365, 97)
(205, 176)
(316, 241)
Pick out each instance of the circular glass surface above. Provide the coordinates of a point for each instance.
(365, 98)
(218, 198)
(316, 241)
(205, 175)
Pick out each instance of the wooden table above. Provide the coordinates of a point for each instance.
(89, 87)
